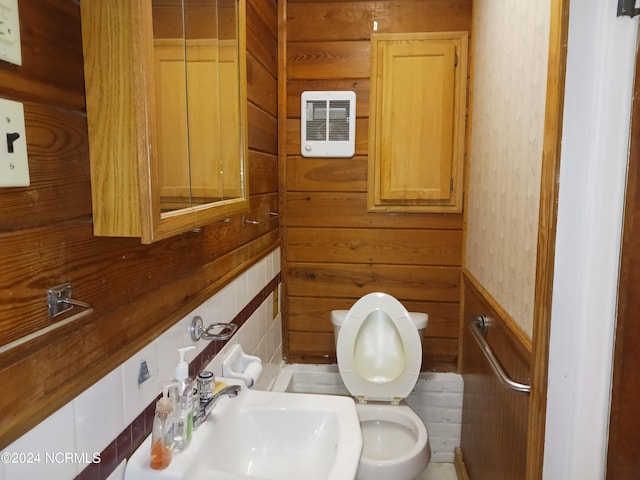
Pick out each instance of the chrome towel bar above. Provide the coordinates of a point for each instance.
(477, 327)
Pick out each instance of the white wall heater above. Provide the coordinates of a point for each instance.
(328, 127)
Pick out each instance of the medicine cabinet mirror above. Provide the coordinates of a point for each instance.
(166, 107)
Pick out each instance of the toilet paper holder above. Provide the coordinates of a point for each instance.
(238, 364)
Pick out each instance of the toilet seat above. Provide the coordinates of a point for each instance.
(379, 350)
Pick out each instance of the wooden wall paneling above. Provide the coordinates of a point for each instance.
(263, 174)
(261, 86)
(387, 246)
(311, 347)
(353, 20)
(69, 252)
(261, 43)
(439, 354)
(405, 282)
(46, 232)
(267, 12)
(334, 250)
(263, 130)
(494, 419)
(416, 16)
(327, 174)
(330, 21)
(51, 72)
(328, 60)
(347, 209)
(57, 147)
(312, 314)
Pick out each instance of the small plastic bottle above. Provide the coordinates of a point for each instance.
(162, 433)
(184, 411)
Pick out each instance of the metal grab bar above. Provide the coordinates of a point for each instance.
(477, 327)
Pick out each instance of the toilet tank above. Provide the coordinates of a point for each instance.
(338, 316)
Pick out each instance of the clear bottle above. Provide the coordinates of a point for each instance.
(184, 411)
(162, 433)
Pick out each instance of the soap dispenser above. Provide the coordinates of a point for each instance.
(184, 412)
(162, 433)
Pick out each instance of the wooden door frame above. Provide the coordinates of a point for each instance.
(548, 214)
(624, 420)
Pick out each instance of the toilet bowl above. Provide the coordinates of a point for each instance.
(379, 350)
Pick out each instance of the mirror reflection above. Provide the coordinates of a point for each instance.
(198, 118)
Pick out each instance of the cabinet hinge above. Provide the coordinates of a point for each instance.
(451, 185)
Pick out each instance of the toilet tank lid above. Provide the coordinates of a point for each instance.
(338, 316)
(419, 319)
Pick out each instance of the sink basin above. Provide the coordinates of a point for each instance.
(266, 435)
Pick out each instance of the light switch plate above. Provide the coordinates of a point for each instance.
(14, 163)
(10, 48)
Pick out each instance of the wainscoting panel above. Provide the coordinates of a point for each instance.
(494, 419)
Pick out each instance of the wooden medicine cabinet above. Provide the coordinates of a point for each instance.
(417, 122)
(166, 107)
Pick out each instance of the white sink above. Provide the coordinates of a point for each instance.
(266, 435)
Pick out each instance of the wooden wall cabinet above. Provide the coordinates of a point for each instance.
(417, 122)
(168, 148)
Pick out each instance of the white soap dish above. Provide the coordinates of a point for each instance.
(238, 364)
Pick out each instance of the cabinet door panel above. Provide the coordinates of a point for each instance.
(418, 91)
(171, 112)
(416, 124)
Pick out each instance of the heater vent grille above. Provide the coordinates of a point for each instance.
(328, 124)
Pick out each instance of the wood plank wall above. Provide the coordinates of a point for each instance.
(334, 250)
(46, 230)
(494, 419)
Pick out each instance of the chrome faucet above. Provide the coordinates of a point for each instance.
(206, 404)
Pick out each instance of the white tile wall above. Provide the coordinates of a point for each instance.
(99, 414)
(93, 419)
(137, 397)
(53, 436)
(436, 398)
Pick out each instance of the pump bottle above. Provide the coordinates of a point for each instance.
(184, 412)
(162, 434)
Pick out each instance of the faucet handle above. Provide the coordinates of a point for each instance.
(229, 391)
(206, 381)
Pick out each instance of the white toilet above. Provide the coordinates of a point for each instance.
(379, 349)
